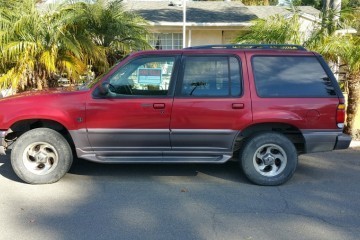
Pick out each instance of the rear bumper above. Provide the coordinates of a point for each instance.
(343, 141)
(2, 142)
(316, 141)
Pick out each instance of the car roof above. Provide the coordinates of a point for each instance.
(234, 48)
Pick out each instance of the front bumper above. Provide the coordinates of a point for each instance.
(2, 142)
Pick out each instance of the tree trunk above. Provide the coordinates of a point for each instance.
(331, 14)
(38, 81)
(39, 84)
(336, 7)
(326, 5)
(325, 14)
(353, 102)
(45, 79)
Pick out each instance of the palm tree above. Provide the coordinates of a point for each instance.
(275, 30)
(118, 32)
(335, 46)
(36, 45)
(351, 56)
(256, 2)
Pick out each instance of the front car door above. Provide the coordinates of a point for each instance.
(131, 123)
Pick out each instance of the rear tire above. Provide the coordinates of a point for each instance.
(41, 156)
(268, 159)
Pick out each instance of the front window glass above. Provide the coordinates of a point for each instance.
(91, 82)
(143, 76)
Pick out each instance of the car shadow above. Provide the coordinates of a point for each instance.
(6, 169)
(228, 171)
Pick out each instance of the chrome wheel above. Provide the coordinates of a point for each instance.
(270, 160)
(40, 158)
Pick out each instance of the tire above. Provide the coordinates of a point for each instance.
(268, 159)
(41, 156)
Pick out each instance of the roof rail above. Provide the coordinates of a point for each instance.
(251, 46)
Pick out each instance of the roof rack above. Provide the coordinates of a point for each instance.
(251, 46)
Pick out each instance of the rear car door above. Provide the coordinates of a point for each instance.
(212, 103)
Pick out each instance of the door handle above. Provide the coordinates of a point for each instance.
(238, 106)
(159, 105)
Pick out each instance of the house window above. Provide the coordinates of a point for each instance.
(165, 40)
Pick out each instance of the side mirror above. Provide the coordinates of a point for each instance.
(104, 89)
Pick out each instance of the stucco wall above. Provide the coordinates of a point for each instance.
(205, 37)
(229, 36)
(306, 27)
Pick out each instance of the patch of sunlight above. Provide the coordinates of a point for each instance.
(138, 218)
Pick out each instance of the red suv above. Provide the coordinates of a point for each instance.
(265, 104)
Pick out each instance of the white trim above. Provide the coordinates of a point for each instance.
(189, 38)
(184, 23)
(194, 24)
(303, 15)
(346, 31)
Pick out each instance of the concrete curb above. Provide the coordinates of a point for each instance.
(354, 143)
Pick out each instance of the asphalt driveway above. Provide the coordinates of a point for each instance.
(95, 201)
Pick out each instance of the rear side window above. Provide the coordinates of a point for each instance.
(289, 76)
(211, 76)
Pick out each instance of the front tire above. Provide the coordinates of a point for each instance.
(41, 156)
(268, 159)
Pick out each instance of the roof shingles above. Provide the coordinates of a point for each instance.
(208, 12)
(199, 12)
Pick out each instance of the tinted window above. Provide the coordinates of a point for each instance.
(211, 76)
(143, 76)
(285, 76)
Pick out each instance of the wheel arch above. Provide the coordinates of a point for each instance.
(290, 131)
(21, 126)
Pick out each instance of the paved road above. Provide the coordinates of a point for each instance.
(94, 201)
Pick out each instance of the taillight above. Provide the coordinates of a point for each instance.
(340, 115)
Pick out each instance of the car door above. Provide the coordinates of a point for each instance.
(133, 118)
(211, 105)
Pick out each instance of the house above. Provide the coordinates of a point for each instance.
(208, 22)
